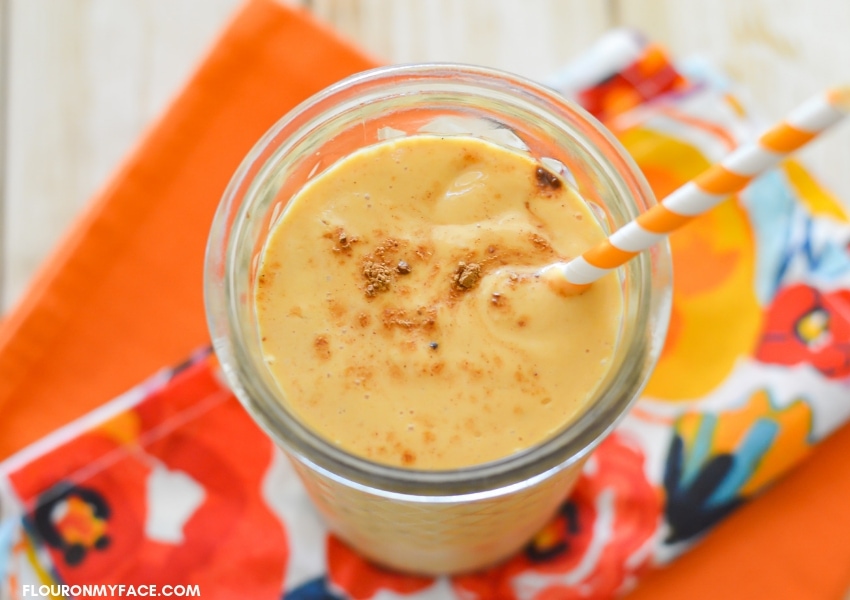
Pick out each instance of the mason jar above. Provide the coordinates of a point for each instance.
(432, 521)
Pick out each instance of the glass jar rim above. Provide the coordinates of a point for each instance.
(559, 451)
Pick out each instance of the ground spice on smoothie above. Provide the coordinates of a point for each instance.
(466, 275)
(378, 276)
(547, 179)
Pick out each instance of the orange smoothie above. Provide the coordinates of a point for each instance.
(400, 310)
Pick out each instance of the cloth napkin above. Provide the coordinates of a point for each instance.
(150, 488)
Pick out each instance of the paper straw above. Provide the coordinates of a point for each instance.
(703, 193)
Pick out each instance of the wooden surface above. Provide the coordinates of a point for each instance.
(84, 78)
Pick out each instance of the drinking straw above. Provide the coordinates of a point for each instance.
(697, 196)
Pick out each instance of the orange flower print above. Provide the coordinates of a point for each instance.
(138, 501)
(806, 325)
(595, 544)
(361, 579)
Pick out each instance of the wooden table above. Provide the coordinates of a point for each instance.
(84, 79)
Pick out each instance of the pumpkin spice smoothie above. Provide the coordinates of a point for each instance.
(376, 306)
(400, 313)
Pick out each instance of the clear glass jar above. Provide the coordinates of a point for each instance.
(432, 521)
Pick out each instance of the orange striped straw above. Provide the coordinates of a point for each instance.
(701, 194)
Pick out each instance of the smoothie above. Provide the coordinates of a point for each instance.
(400, 311)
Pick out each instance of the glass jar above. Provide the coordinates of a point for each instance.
(432, 522)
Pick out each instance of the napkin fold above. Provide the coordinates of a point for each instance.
(122, 296)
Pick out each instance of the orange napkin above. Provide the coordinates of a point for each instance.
(121, 297)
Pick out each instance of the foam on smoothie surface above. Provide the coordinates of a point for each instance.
(399, 312)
